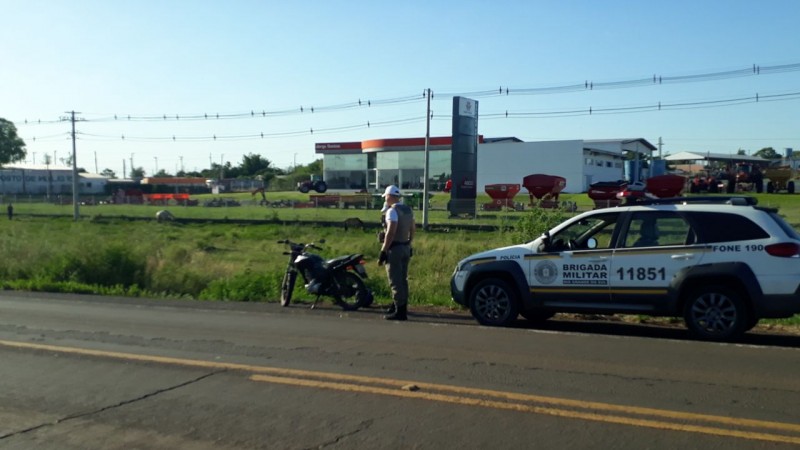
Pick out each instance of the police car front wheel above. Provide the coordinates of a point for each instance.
(493, 302)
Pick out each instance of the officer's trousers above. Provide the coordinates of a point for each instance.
(397, 270)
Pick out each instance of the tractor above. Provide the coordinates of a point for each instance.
(313, 184)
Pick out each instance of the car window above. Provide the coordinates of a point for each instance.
(725, 227)
(601, 227)
(658, 228)
(791, 232)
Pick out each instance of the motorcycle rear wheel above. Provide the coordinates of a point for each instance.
(353, 293)
(287, 287)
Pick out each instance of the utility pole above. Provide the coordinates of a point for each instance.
(425, 175)
(34, 158)
(156, 159)
(132, 169)
(181, 157)
(75, 185)
(659, 147)
(96, 170)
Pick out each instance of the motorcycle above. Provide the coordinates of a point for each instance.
(341, 278)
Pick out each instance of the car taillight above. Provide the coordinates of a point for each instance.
(784, 250)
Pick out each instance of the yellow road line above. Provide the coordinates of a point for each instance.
(530, 409)
(395, 385)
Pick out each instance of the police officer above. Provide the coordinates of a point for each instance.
(396, 250)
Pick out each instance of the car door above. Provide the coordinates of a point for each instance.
(653, 247)
(572, 271)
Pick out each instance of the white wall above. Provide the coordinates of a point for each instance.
(510, 162)
(19, 181)
(594, 172)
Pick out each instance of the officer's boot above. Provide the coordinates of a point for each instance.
(399, 314)
(391, 309)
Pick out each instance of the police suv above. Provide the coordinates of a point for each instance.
(722, 263)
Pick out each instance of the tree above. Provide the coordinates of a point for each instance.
(162, 173)
(12, 147)
(767, 153)
(137, 172)
(253, 165)
(108, 173)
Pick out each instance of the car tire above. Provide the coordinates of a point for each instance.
(494, 303)
(537, 316)
(715, 313)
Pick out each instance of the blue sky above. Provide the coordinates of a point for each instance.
(181, 58)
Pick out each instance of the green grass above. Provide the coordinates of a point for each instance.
(106, 253)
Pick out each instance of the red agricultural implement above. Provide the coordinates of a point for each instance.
(502, 196)
(604, 193)
(544, 189)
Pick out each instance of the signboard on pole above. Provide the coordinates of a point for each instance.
(464, 157)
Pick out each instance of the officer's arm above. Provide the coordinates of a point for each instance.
(391, 229)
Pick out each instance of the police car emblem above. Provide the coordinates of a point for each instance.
(545, 272)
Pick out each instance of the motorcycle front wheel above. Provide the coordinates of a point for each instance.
(287, 287)
(353, 293)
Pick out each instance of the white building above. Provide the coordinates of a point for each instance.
(374, 164)
(40, 179)
(580, 162)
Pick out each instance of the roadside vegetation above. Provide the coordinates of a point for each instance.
(234, 256)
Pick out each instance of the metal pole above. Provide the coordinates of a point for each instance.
(75, 184)
(425, 175)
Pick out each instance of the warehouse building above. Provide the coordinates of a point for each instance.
(374, 164)
(33, 179)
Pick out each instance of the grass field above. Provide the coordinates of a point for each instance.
(106, 252)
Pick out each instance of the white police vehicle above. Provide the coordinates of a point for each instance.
(721, 263)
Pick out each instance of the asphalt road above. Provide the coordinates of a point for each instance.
(82, 372)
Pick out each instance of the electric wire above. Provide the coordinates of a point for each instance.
(253, 136)
(754, 70)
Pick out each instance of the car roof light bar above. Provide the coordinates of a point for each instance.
(716, 199)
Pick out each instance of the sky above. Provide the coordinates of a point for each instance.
(148, 78)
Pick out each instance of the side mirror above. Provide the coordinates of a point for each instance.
(545, 244)
(591, 243)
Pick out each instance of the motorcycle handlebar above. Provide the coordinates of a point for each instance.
(296, 244)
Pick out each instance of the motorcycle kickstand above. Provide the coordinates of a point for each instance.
(314, 305)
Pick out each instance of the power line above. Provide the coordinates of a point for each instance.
(659, 106)
(586, 111)
(654, 80)
(253, 136)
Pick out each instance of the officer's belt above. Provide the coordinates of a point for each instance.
(399, 243)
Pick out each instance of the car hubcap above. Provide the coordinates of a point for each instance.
(715, 313)
(492, 303)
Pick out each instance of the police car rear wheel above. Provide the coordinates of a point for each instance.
(715, 313)
(493, 302)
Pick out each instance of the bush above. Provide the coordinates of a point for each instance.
(114, 265)
(535, 222)
(247, 287)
